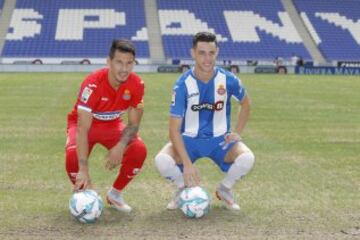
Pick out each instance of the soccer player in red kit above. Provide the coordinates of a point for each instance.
(104, 96)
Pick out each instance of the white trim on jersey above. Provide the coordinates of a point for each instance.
(219, 119)
(84, 108)
(191, 126)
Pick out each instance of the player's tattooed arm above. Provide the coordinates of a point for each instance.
(115, 155)
(128, 133)
(131, 129)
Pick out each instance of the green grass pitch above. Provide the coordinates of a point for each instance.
(304, 131)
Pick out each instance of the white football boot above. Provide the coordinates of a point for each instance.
(225, 195)
(116, 201)
(173, 204)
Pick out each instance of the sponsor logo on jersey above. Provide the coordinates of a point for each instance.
(91, 85)
(221, 90)
(107, 116)
(86, 93)
(104, 99)
(218, 106)
(126, 96)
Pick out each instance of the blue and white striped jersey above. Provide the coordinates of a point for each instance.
(205, 107)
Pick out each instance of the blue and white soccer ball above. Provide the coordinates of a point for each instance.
(86, 206)
(194, 202)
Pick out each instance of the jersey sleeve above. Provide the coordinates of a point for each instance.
(88, 95)
(238, 90)
(137, 99)
(178, 101)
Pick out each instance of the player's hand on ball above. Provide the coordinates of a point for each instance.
(191, 176)
(114, 157)
(83, 181)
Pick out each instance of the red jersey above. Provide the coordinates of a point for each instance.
(106, 104)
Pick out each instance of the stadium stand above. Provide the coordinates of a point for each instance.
(335, 26)
(246, 29)
(74, 29)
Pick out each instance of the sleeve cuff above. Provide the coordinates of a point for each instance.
(84, 108)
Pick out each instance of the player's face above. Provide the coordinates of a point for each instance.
(205, 54)
(120, 66)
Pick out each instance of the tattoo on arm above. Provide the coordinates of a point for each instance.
(128, 133)
(83, 162)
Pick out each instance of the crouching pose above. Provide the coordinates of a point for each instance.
(200, 124)
(105, 95)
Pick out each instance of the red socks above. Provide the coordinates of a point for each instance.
(132, 162)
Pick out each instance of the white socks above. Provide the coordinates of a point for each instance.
(241, 166)
(167, 167)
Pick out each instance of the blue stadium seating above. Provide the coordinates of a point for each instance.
(86, 31)
(190, 16)
(336, 42)
(246, 29)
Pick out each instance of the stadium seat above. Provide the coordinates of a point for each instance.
(81, 28)
(335, 27)
(245, 29)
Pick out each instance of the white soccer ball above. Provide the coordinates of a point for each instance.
(86, 206)
(194, 202)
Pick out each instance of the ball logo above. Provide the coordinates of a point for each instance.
(221, 90)
(126, 96)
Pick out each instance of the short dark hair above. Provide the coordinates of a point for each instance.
(204, 37)
(121, 45)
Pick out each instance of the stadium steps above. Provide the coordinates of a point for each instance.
(5, 18)
(155, 42)
(309, 43)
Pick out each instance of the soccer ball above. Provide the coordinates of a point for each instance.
(86, 206)
(194, 202)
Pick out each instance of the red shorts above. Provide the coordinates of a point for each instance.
(107, 134)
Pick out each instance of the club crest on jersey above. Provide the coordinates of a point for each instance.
(86, 93)
(221, 90)
(126, 96)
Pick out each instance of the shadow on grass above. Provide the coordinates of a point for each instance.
(215, 213)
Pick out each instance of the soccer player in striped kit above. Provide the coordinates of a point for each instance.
(104, 96)
(200, 124)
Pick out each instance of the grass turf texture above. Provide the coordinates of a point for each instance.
(304, 131)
